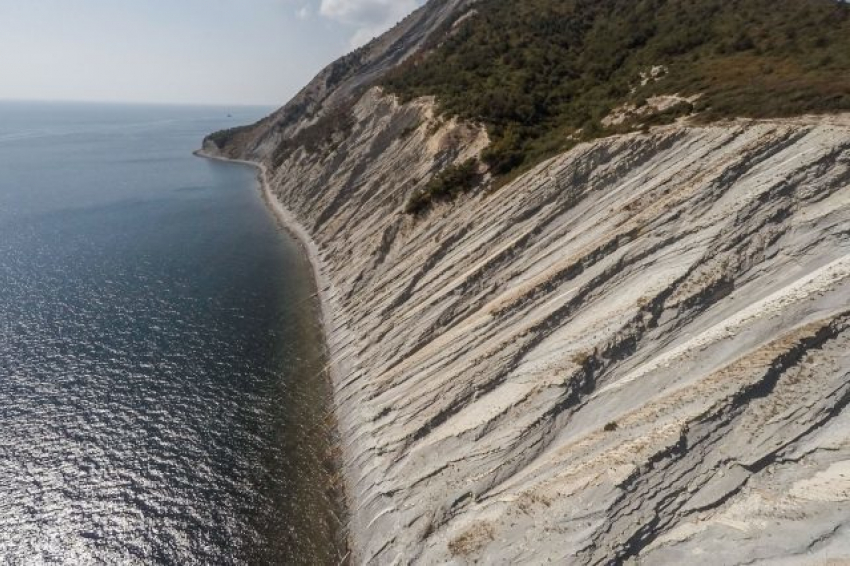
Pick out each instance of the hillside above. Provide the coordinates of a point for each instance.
(543, 74)
(319, 114)
(635, 350)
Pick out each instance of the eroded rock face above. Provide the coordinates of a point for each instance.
(342, 83)
(638, 351)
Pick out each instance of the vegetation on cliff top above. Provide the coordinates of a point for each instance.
(541, 74)
(223, 138)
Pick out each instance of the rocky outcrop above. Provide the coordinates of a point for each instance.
(330, 96)
(638, 351)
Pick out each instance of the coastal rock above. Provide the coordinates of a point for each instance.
(639, 351)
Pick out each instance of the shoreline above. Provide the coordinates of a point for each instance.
(308, 247)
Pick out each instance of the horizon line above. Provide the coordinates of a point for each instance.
(139, 103)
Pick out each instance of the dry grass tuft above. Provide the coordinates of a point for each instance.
(472, 540)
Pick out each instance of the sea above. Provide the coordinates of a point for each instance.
(162, 393)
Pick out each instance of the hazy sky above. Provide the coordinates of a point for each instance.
(183, 51)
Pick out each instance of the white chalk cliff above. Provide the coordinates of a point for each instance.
(638, 351)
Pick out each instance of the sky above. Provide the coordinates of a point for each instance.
(251, 52)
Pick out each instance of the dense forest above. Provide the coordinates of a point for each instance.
(542, 74)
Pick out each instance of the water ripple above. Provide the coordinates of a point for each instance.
(157, 394)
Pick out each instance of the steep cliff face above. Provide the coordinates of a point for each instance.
(639, 350)
(329, 97)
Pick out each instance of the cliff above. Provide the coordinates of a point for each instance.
(636, 350)
(318, 111)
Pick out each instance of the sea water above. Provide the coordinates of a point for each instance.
(161, 390)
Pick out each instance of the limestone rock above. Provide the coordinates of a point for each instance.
(638, 351)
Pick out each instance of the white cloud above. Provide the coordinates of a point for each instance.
(370, 18)
(303, 13)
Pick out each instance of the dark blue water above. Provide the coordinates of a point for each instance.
(161, 396)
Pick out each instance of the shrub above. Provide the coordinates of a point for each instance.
(581, 358)
(445, 185)
(670, 115)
